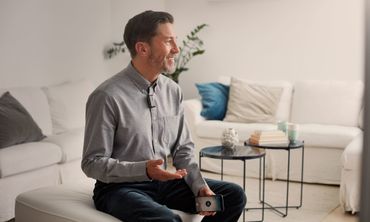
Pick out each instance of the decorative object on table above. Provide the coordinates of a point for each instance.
(268, 137)
(282, 125)
(191, 46)
(230, 138)
(292, 132)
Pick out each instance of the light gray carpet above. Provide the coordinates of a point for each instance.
(318, 200)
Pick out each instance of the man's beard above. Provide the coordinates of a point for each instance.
(169, 69)
(167, 66)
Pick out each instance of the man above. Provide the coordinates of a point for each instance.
(134, 121)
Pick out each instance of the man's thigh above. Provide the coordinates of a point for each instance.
(176, 194)
(128, 204)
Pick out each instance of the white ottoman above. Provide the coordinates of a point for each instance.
(66, 203)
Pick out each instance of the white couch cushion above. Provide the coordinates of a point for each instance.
(35, 102)
(28, 156)
(316, 101)
(67, 104)
(284, 106)
(71, 143)
(330, 136)
(352, 155)
(214, 128)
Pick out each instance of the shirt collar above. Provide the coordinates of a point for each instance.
(140, 82)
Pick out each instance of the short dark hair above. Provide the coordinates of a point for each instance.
(143, 27)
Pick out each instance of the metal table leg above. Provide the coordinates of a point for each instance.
(275, 208)
(261, 180)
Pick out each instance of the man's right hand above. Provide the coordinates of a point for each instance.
(155, 172)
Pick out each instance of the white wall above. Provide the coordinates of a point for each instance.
(50, 41)
(45, 42)
(273, 39)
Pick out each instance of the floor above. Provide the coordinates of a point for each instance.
(337, 215)
(327, 209)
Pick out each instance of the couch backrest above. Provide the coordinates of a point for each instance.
(35, 102)
(56, 108)
(67, 103)
(284, 106)
(327, 102)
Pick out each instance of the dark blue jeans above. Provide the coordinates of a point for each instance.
(150, 201)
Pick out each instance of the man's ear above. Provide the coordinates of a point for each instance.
(142, 48)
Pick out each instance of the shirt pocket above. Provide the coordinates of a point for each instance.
(171, 125)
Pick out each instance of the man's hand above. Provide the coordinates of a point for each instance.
(155, 172)
(206, 192)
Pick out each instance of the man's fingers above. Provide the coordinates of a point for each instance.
(171, 176)
(207, 213)
(155, 171)
(182, 172)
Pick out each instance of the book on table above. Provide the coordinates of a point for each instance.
(269, 137)
(274, 143)
(268, 133)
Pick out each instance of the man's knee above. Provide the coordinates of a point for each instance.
(238, 195)
(159, 214)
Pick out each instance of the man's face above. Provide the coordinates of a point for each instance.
(163, 49)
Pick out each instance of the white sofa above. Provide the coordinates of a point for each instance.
(328, 115)
(59, 111)
(350, 183)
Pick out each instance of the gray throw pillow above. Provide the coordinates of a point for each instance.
(16, 124)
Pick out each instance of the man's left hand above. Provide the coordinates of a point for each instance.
(206, 192)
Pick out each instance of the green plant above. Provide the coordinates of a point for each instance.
(191, 46)
(115, 49)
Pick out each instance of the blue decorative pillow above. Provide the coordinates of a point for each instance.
(214, 99)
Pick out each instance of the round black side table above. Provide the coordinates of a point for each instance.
(242, 153)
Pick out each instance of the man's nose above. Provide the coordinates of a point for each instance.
(175, 48)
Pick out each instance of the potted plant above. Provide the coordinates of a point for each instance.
(191, 46)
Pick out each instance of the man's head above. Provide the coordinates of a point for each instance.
(150, 38)
(143, 27)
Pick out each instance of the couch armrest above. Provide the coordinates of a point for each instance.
(192, 109)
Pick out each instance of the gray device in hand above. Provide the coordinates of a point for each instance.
(212, 203)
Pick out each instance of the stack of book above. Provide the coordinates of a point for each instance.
(268, 137)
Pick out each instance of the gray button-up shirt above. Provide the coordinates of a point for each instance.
(129, 121)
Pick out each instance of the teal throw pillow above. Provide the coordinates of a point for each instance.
(214, 97)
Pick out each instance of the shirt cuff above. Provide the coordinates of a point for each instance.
(197, 185)
(142, 168)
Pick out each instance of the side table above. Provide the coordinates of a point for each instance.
(242, 153)
(292, 145)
